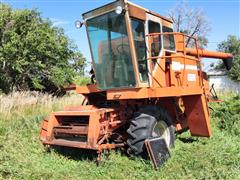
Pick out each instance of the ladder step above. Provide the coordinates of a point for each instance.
(62, 142)
(73, 130)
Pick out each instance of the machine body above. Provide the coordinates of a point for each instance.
(148, 83)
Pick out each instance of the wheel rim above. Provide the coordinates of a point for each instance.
(161, 129)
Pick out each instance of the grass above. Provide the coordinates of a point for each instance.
(23, 157)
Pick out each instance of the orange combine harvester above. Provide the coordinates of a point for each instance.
(148, 82)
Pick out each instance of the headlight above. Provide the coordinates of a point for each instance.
(119, 10)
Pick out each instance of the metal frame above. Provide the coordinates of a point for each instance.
(151, 71)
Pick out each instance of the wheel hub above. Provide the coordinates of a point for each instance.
(161, 130)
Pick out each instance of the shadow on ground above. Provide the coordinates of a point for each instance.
(187, 140)
(76, 154)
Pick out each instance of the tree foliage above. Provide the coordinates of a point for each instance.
(231, 45)
(190, 21)
(35, 55)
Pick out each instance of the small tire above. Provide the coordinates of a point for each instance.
(149, 122)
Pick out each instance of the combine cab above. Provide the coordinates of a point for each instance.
(148, 83)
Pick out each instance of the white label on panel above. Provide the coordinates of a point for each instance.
(177, 66)
(191, 77)
(191, 67)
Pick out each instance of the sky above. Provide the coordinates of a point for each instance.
(223, 15)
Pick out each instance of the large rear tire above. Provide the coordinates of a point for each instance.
(149, 122)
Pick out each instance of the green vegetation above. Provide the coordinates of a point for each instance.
(23, 157)
(80, 80)
(228, 115)
(34, 54)
(231, 45)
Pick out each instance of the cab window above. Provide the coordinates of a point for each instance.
(168, 40)
(154, 27)
(140, 46)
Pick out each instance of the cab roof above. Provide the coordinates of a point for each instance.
(106, 7)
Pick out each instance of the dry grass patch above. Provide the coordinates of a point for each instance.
(17, 103)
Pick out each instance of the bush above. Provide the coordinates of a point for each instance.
(227, 114)
(81, 80)
(34, 54)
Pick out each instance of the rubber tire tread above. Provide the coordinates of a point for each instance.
(142, 125)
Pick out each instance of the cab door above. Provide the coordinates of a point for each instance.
(156, 66)
(139, 38)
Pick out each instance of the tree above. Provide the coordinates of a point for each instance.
(35, 55)
(231, 45)
(190, 21)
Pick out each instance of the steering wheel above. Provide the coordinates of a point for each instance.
(122, 47)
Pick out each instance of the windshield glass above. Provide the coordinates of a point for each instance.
(110, 50)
